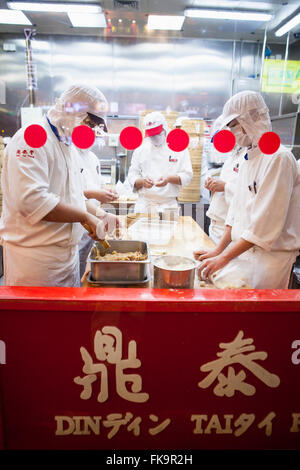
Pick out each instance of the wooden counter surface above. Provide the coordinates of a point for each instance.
(187, 238)
(119, 202)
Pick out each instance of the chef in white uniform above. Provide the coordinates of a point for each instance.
(43, 201)
(222, 188)
(262, 235)
(156, 172)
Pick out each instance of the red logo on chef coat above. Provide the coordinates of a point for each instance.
(25, 153)
(172, 159)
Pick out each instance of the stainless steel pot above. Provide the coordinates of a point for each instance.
(173, 272)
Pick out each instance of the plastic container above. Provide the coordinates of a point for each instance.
(155, 232)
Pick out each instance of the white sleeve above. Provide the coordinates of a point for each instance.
(271, 203)
(185, 171)
(28, 176)
(135, 170)
(230, 214)
(229, 191)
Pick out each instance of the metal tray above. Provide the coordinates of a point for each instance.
(124, 271)
(91, 280)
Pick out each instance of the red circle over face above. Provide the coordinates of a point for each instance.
(224, 141)
(269, 143)
(178, 140)
(35, 136)
(131, 138)
(83, 137)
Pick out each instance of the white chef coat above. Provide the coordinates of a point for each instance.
(34, 181)
(155, 162)
(267, 214)
(220, 201)
(90, 170)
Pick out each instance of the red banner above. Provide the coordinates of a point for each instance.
(137, 369)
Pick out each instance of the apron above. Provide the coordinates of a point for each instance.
(85, 246)
(216, 231)
(257, 269)
(52, 265)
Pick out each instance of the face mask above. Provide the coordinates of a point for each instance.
(242, 139)
(158, 140)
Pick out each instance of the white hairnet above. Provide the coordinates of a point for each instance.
(72, 106)
(216, 125)
(250, 110)
(155, 119)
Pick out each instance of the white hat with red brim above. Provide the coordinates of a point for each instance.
(154, 124)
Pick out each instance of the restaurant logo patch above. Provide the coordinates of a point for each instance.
(25, 153)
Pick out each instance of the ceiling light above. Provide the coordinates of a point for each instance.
(13, 17)
(227, 15)
(55, 7)
(87, 20)
(165, 22)
(288, 26)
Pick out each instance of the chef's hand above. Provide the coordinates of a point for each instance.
(143, 183)
(90, 224)
(211, 265)
(207, 182)
(204, 254)
(110, 221)
(163, 181)
(214, 185)
(148, 183)
(106, 195)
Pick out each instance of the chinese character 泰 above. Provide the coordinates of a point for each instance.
(234, 353)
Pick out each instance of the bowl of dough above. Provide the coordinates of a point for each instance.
(173, 272)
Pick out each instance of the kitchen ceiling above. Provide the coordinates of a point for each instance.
(138, 10)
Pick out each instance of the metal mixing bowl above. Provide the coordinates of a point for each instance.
(176, 272)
